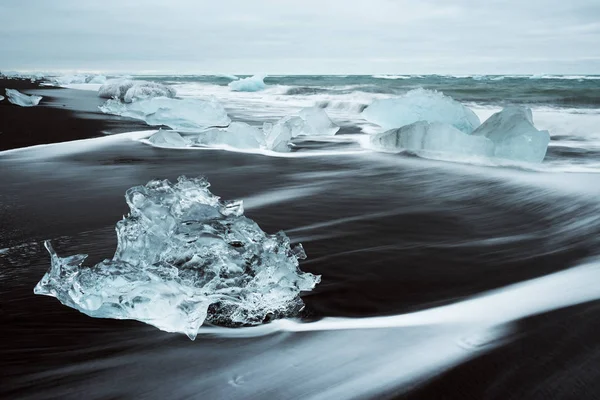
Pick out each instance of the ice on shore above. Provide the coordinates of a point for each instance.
(238, 135)
(311, 121)
(78, 79)
(128, 90)
(421, 105)
(1, 97)
(434, 137)
(186, 115)
(164, 138)
(514, 135)
(23, 100)
(184, 257)
(251, 84)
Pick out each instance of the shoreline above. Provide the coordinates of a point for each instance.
(63, 115)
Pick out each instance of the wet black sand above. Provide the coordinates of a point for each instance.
(62, 115)
(389, 236)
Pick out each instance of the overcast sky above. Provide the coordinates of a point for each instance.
(302, 36)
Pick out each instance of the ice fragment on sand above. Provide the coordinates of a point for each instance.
(312, 121)
(435, 137)
(184, 257)
(421, 105)
(186, 115)
(514, 135)
(251, 84)
(164, 138)
(23, 100)
(238, 134)
(129, 90)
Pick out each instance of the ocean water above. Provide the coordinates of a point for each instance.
(456, 279)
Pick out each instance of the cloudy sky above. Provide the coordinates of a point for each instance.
(302, 36)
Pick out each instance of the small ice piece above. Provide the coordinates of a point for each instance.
(1, 97)
(184, 257)
(23, 100)
(185, 115)
(251, 84)
(317, 122)
(421, 105)
(164, 138)
(239, 135)
(436, 137)
(129, 90)
(514, 135)
(279, 136)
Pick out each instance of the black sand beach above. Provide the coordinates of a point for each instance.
(389, 235)
(61, 116)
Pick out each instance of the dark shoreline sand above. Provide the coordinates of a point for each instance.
(62, 115)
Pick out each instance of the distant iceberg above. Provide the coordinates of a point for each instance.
(186, 115)
(23, 100)
(252, 84)
(514, 135)
(434, 137)
(128, 90)
(184, 257)
(421, 105)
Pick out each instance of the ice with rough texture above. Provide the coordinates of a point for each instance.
(184, 257)
(238, 135)
(23, 100)
(252, 84)
(421, 105)
(278, 136)
(164, 138)
(185, 115)
(514, 135)
(128, 90)
(433, 137)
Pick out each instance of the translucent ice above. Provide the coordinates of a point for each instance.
(317, 122)
(186, 115)
(78, 79)
(312, 121)
(238, 135)
(128, 90)
(184, 257)
(514, 135)
(23, 100)
(421, 105)
(165, 138)
(435, 137)
(251, 84)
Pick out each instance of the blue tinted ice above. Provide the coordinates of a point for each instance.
(251, 84)
(184, 257)
(421, 105)
(23, 100)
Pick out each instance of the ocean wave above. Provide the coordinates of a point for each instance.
(395, 76)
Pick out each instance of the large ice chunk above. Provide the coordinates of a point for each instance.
(129, 90)
(238, 135)
(185, 115)
(23, 100)
(183, 257)
(317, 122)
(251, 84)
(435, 137)
(164, 138)
(421, 105)
(514, 135)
